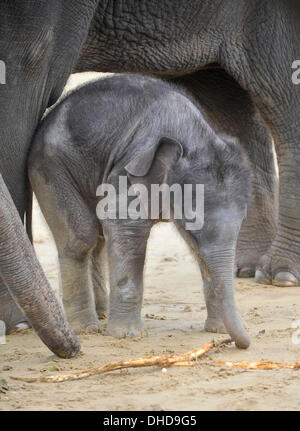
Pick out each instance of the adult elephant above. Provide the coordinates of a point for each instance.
(39, 43)
(254, 43)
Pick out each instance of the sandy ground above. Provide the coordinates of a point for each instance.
(174, 314)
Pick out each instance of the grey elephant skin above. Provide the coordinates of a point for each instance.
(39, 43)
(153, 133)
(253, 43)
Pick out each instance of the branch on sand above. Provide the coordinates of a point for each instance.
(260, 365)
(187, 359)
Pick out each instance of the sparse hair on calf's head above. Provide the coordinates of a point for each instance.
(224, 164)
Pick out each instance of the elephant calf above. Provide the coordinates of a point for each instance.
(95, 162)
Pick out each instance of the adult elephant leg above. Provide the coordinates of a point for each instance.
(39, 43)
(24, 278)
(269, 82)
(13, 161)
(230, 111)
(280, 266)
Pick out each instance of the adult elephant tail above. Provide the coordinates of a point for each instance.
(22, 274)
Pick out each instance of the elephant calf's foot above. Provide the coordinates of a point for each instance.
(278, 271)
(125, 327)
(214, 325)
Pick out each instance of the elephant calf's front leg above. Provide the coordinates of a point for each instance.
(126, 249)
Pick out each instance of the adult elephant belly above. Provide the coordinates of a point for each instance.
(173, 38)
(158, 37)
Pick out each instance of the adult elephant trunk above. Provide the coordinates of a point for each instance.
(221, 292)
(21, 273)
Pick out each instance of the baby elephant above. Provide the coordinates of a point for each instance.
(106, 164)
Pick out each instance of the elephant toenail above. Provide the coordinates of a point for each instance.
(285, 279)
(261, 277)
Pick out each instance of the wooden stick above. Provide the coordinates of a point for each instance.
(260, 365)
(183, 364)
(185, 359)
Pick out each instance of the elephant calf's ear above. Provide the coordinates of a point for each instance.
(155, 161)
(152, 166)
(141, 164)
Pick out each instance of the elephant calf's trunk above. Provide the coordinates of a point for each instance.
(233, 325)
(221, 270)
(22, 274)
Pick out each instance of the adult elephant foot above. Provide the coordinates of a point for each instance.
(278, 269)
(11, 314)
(257, 231)
(251, 249)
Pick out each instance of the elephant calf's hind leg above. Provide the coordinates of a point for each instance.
(75, 230)
(98, 274)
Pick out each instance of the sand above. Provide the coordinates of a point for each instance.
(174, 315)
